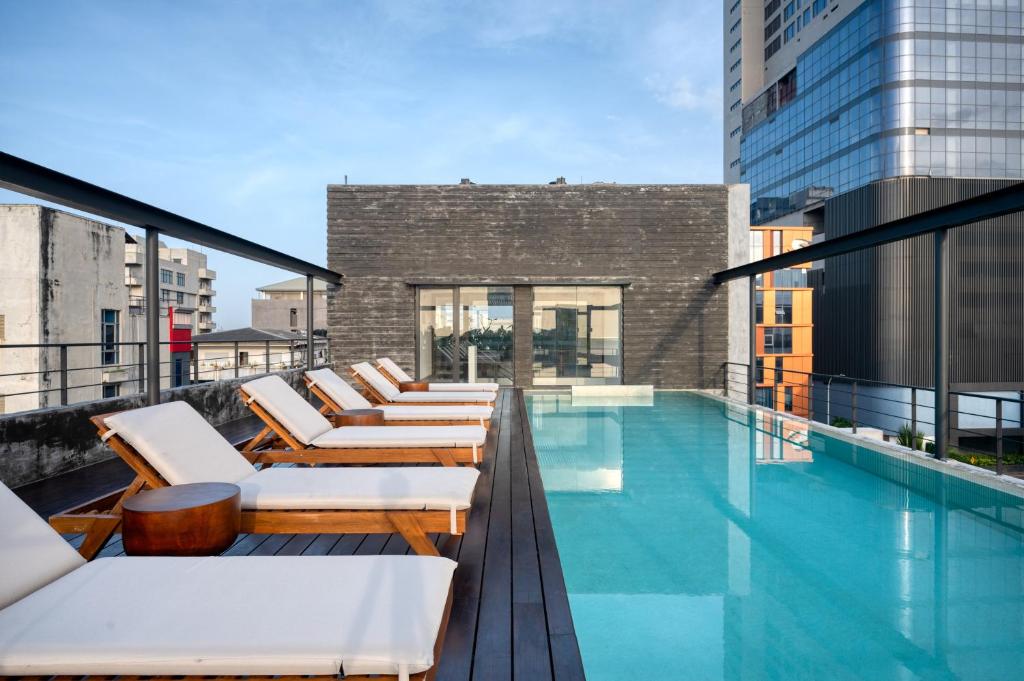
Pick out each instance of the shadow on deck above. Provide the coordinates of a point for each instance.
(510, 618)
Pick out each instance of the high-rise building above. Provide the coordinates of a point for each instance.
(853, 92)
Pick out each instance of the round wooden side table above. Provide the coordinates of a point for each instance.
(413, 386)
(359, 417)
(199, 519)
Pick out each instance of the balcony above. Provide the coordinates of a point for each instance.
(205, 307)
(133, 257)
(205, 273)
(132, 280)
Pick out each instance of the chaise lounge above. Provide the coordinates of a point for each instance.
(396, 375)
(383, 391)
(326, 616)
(337, 396)
(291, 420)
(171, 444)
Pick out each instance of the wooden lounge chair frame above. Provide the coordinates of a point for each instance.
(428, 675)
(274, 434)
(331, 408)
(375, 396)
(101, 517)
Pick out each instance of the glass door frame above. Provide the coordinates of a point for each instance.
(457, 376)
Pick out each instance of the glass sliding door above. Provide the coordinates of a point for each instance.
(435, 343)
(577, 337)
(485, 334)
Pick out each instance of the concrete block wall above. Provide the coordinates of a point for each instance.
(663, 241)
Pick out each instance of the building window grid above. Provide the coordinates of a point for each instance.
(735, 86)
(735, 45)
(735, 65)
(732, 29)
(166, 277)
(735, 5)
(860, 76)
(110, 336)
(180, 278)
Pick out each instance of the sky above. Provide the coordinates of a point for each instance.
(239, 114)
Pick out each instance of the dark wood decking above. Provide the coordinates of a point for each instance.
(510, 618)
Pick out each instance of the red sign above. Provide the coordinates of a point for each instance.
(181, 339)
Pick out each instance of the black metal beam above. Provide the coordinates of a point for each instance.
(982, 207)
(31, 179)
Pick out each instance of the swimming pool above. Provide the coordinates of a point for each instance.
(703, 540)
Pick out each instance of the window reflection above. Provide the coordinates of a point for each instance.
(577, 335)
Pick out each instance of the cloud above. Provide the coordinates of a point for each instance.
(683, 94)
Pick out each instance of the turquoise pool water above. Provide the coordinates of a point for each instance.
(701, 540)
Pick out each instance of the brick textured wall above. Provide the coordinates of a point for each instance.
(666, 240)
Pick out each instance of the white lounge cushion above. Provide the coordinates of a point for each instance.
(392, 368)
(401, 436)
(282, 402)
(231, 616)
(376, 380)
(441, 397)
(180, 444)
(31, 554)
(418, 487)
(335, 387)
(464, 387)
(455, 412)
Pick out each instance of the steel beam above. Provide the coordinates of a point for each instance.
(752, 374)
(26, 177)
(941, 356)
(982, 207)
(310, 350)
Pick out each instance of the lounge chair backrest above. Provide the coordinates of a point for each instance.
(394, 369)
(289, 408)
(32, 554)
(376, 380)
(335, 387)
(180, 444)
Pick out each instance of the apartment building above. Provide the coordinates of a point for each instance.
(72, 324)
(186, 283)
(783, 314)
(283, 305)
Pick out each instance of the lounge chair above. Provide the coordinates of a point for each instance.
(383, 391)
(327, 616)
(396, 375)
(171, 444)
(290, 419)
(337, 395)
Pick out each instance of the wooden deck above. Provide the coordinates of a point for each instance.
(510, 618)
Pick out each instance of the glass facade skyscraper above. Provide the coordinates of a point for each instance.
(897, 88)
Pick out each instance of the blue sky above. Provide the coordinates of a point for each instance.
(238, 114)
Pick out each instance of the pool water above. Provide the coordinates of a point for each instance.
(703, 540)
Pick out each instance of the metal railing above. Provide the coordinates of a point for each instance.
(984, 429)
(58, 373)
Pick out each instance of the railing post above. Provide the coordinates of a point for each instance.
(195, 362)
(999, 435)
(266, 356)
(291, 354)
(141, 367)
(309, 323)
(236, 362)
(152, 316)
(913, 418)
(941, 346)
(752, 362)
(853, 405)
(64, 375)
(810, 396)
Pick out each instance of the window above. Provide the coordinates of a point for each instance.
(732, 88)
(791, 278)
(756, 245)
(734, 6)
(788, 399)
(759, 307)
(778, 340)
(179, 297)
(110, 335)
(293, 318)
(243, 358)
(790, 32)
(166, 277)
(819, 6)
(788, 12)
(735, 45)
(771, 8)
(773, 47)
(734, 163)
(577, 337)
(776, 242)
(736, 131)
(735, 105)
(735, 65)
(764, 398)
(111, 389)
(181, 278)
(759, 367)
(778, 372)
(734, 26)
(772, 27)
(783, 307)
(807, 16)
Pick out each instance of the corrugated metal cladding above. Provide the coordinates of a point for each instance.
(664, 240)
(873, 310)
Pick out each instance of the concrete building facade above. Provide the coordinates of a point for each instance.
(540, 285)
(283, 305)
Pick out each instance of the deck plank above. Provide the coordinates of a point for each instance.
(510, 617)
